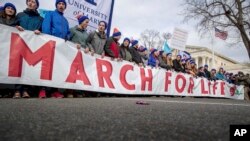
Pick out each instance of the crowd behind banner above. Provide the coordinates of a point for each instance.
(97, 42)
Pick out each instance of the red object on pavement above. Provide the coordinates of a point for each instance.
(142, 102)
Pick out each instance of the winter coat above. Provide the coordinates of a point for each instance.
(207, 73)
(163, 64)
(177, 66)
(201, 74)
(56, 24)
(97, 41)
(111, 48)
(220, 76)
(79, 36)
(135, 55)
(29, 20)
(125, 53)
(152, 61)
(5, 21)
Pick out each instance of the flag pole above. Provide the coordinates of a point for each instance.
(213, 63)
(212, 48)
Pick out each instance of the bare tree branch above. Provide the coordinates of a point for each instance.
(230, 15)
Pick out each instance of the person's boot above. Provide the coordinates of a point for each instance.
(42, 94)
(17, 95)
(25, 95)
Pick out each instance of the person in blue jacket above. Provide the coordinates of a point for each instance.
(153, 58)
(55, 23)
(30, 19)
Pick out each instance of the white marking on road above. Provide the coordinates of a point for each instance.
(184, 102)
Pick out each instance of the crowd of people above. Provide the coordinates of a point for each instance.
(97, 42)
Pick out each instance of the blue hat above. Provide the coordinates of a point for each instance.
(134, 42)
(1, 8)
(153, 51)
(116, 33)
(9, 5)
(126, 39)
(143, 49)
(57, 1)
(169, 54)
(206, 65)
(82, 18)
(37, 3)
(106, 25)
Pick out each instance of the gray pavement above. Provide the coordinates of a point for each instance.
(117, 119)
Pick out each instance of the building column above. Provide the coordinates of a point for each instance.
(197, 61)
(203, 61)
(208, 62)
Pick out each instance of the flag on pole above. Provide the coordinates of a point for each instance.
(221, 34)
(166, 47)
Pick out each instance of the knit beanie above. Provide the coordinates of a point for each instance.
(57, 1)
(9, 5)
(126, 39)
(134, 42)
(82, 19)
(116, 33)
(37, 3)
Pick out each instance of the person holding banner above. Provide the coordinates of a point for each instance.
(136, 57)
(55, 23)
(79, 35)
(30, 19)
(153, 58)
(97, 39)
(124, 50)
(220, 75)
(112, 45)
(177, 64)
(8, 15)
(162, 63)
(143, 51)
(168, 60)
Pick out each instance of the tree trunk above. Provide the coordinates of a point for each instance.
(246, 42)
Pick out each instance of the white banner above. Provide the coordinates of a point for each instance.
(179, 39)
(44, 60)
(96, 10)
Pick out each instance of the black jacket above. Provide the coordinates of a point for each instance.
(136, 57)
(177, 66)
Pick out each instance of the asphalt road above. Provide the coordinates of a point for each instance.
(104, 119)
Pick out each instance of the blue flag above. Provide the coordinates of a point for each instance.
(166, 48)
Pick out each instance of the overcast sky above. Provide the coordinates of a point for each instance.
(134, 16)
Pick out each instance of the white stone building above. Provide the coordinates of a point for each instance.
(204, 56)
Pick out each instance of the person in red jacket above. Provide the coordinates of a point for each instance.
(112, 45)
